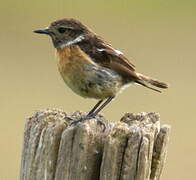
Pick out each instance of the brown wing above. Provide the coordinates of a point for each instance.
(105, 55)
(113, 54)
(116, 56)
(118, 63)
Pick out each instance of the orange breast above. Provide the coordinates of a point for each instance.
(72, 62)
(72, 58)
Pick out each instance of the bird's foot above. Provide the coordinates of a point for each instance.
(81, 119)
(88, 117)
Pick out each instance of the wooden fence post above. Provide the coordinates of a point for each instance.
(132, 149)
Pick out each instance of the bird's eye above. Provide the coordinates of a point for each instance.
(61, 29)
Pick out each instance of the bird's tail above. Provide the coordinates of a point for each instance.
(146, 81)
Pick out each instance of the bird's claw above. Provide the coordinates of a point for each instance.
(88, 117)
(82, 119)
(76, 121)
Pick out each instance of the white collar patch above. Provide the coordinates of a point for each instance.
(69, 43)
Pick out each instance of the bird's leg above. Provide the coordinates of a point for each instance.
(103, 105)
(95, 107)
(94, 113)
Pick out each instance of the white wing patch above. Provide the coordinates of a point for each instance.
(100, 49)
(118, 52)
(115, 50)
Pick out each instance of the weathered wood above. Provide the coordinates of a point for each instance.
(114, 148)
(41, 143)
(81, 149)
(159, 152)
(132, 149)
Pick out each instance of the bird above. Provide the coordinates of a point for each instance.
(90, 66)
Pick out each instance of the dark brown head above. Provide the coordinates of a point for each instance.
(65, 32)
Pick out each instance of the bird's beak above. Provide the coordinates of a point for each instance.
(42, 31)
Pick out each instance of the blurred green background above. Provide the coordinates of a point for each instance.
(158, 36)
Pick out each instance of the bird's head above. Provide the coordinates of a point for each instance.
(65, 32)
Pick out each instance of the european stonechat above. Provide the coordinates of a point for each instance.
(90, 66)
